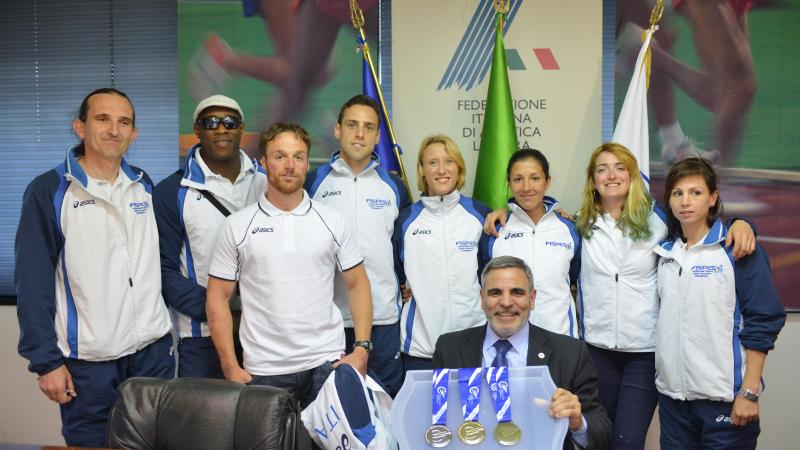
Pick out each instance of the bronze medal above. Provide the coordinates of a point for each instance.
(507, 433)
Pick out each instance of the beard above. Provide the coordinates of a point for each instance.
(286, 186)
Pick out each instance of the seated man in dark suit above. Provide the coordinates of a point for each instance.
(507, 298)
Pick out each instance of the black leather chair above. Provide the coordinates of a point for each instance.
(198, 413)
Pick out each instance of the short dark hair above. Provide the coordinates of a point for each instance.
(528, 153)
(362, 100)
(694, 165)
(83, 110)
(507, 262)
(283, 127)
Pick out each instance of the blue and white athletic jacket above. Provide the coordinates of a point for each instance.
(552, 249)
(436, 253)
(712, 309)
(371, 201)
(87, 274)
(188, 224)
(617, 292)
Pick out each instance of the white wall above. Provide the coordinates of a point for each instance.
(27, 416)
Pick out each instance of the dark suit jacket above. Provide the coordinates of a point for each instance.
(566, 357)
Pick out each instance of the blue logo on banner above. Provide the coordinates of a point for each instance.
(473, 57)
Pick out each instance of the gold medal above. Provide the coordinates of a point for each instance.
(507, 433)
(471, 432)
(438, 436)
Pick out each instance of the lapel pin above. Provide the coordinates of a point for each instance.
(541, 355)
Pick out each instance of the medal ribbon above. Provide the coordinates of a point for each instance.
(497, 379)
(441, 377)
(469, 385)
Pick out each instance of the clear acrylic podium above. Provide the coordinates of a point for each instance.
(531, 390)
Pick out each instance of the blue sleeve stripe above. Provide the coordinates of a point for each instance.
(388, 180)
(322, 173)
(581, 326)
(416, 210)
(736, 342)
(72, 313)
(182, 191)
(737, 349)
(573, 232)
(469, 205)
(412, 309)
(661, 214)
(571, 321)
(189, 260)
(58, 202)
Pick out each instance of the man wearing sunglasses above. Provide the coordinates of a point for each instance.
(216, 180)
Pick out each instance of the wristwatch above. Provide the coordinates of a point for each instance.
(367, 345)
(750, 395)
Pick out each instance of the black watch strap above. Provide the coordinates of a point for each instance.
(366, 345)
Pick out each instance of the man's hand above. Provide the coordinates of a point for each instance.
(498, 215)
(357, 358)
(566, 404)
(744, 411)
(741, 236)
(57, 385)
(237, 375)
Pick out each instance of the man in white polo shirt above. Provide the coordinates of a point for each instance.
(284, 252)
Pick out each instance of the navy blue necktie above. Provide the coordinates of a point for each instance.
(502, 346)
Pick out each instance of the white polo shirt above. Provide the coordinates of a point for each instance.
(285, 263)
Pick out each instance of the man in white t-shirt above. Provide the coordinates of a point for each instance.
(284, 252)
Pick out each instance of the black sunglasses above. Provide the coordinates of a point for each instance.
(212, 122)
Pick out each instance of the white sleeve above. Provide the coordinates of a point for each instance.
(347, 253)
(225, 260)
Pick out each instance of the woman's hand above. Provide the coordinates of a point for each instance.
(498, 215)
(743, 239)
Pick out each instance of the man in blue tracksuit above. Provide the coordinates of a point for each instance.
(87, 275)
(191, 204)
(371, 198)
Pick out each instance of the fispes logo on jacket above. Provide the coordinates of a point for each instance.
(705, 271)
(378, 203)
(139, 207)
(466, 246)
(566, 245)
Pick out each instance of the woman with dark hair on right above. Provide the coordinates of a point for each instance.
(718, 318)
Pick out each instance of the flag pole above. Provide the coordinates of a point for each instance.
(357, 19)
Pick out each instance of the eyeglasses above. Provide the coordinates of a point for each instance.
(212, 122)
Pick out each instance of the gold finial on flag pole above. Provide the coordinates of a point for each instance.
(501, 6)
(658, 11)
(655, 18)
(356, 15)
